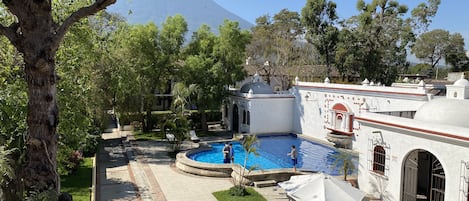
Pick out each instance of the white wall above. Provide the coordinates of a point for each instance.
(273, 115)
(312, 104)
(400, 142)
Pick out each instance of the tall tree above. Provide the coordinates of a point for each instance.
(431, 46)
(456, 54)
(383, 33)
(214, 62)
(437, 45)
(37, 35)
(422, 15)
(319, 18)
(152, 57)
(275, 43)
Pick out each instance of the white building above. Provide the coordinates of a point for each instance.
(411, 145)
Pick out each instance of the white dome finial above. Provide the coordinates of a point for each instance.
(365, 82)
(327, 80)
(256, 78)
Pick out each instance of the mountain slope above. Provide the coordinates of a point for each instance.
(196, 12)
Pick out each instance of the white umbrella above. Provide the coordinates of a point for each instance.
(320, 187)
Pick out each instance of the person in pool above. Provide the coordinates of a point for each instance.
(294, 157)
(226, 154)
(231, 153)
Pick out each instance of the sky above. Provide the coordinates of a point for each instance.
(452, 15)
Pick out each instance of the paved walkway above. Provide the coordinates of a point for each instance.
(143, 171)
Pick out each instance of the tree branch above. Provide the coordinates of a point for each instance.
(11, 33)
(97, 6)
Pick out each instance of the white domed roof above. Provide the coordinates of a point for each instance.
(257, 88)
(461, 82)
(445, 111)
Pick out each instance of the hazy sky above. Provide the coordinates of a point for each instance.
(452, 15)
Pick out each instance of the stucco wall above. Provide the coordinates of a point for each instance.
(399, 144)
(312, 105)
(273, 115)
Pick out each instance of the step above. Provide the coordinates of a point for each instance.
(266, 183)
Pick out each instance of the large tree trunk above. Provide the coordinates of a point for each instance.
(40, 170)
(37, 36)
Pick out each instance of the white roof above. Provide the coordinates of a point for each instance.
(445, 111)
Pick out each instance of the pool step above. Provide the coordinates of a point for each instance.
(267, 183)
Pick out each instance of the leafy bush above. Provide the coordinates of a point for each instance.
(238, 191)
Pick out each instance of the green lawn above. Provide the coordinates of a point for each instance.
(225, 196)
(79, 183)
(139, 135)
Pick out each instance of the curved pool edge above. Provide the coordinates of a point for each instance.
(185, 164)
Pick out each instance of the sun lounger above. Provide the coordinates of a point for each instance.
(193, 136)
(171, 138)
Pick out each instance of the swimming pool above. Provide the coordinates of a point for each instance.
(273, 149)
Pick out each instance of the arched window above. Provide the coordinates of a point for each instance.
(248, 118)
(379, 160)
(244, 116)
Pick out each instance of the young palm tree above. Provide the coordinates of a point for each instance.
(249, 144)
(344, 161)
(181, 96)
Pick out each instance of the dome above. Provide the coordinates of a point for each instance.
(461, 82)
(257, 88)
(445, 111)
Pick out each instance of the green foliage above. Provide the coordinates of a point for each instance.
(377, 38)
(227, 196)
(249, 144)
(148, 60)
(7, 171)
(319, 18)
(139, 135)
(238, 191)
(344, 161)
(420, 69)
(182, 96)
(422, 14)
(214, 62)
(178, 125)
(47, 195)
(275, 40)
(13, 112)
(78, 184)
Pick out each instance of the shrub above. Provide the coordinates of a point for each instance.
(75, 159)
(238, 191)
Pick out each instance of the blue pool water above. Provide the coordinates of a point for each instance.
(273, 152)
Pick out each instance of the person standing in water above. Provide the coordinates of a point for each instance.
(226, 154)
(294, 157)
(231, 153)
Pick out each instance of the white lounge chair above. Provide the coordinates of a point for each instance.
(193, 136)
(171, 138)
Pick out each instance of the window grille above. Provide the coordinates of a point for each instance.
(378, 155)
(379, 160)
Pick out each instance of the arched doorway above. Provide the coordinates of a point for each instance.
(235, 122)
(423, 177)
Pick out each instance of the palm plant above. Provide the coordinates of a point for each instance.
(178, 125)
(181, 96)
(249, 145)
(344, 161)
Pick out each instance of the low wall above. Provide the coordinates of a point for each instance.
(188, 165)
